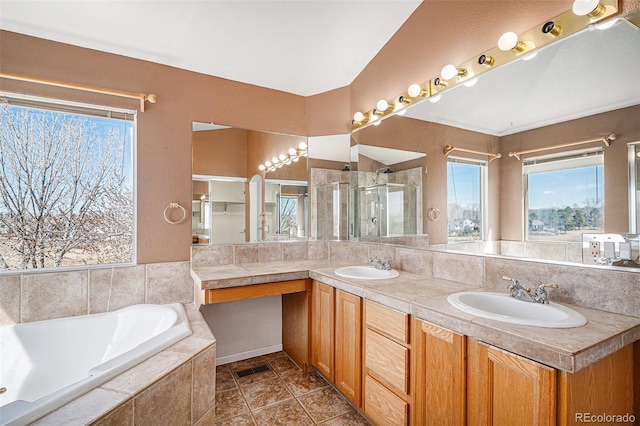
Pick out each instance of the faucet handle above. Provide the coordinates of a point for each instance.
(542, 286)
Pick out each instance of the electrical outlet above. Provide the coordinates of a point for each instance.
(595, 250)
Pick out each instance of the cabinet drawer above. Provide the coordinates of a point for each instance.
(387, 361)
(387, 321)
(383, 406)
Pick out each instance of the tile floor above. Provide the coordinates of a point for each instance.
(282, 395)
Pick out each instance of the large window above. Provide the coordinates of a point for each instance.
(564, 196)
(66, 184)
(465, 192)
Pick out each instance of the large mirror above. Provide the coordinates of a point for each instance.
(535, 201)
(290, 198)
(233, 200)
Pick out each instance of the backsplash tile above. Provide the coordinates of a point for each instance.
(169, 283)
(114, 288)
(10, 300)
(462, 268)
(53, 295)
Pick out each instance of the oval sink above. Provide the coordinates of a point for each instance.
(503, 307)
(366, 273)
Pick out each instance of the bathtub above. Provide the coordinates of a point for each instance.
(46, 364)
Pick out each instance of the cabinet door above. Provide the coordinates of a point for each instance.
(348, 355)
(322, 318)
(507, 389)
(439, 375)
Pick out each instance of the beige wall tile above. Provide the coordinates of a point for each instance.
(167, 402)
(462, 268)
(114, 288)
(245, 253)
(53, 295)
(169, 283)
(204, 383)
(211, 255)
(318, 250)
(295, 251)
(269, 252)
(415, 261)
(9, 299)
(120, 416)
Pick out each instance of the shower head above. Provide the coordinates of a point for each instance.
(388, 170)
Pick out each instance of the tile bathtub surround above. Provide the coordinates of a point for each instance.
(173, 387)
(28, 296)
(281, 395)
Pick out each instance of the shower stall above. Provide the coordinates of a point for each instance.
(386, 210)
(332, 211)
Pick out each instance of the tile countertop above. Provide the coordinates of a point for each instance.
(568, 349)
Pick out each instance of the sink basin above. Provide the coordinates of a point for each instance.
(503, 307)
(366, 273)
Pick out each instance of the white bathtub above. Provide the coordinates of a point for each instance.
(46, 364)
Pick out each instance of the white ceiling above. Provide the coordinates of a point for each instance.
(302, 47)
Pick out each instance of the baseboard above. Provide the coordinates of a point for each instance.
(248, 354)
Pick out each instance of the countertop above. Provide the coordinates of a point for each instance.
(568, 349)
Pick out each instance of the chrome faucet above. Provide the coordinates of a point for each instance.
(519, 292)
(386, 266)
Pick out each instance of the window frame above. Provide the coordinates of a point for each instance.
(93, 111)
(545, 163)
(483, 187)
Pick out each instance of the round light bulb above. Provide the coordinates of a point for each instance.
(261, 167)
(449, 71)
(358, 117)
(435, 98)
(585, 7)
(267, 163)
(275, 160)
(282, 157)
(295, 159)
(382, 105)
(414, 90)
(302, 145)
(292, 151)
(508, 41)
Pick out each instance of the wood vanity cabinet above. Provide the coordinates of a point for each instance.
(323, 329)
(387, 392)
(336, 318)
(504, 388)
(439, 372)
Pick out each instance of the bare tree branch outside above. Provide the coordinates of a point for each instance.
(65, 189)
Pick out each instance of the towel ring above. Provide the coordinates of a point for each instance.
(175, 206)
(433, 214)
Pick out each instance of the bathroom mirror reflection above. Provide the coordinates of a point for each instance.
(232, 196)
(581, 88)
(387, 193)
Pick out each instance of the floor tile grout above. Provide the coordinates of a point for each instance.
(270, 360)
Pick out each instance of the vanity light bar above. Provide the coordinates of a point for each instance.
(293, 156)
(511, 48)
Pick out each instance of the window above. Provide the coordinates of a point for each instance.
(66, 184)
(564, 196)
(465, 199)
